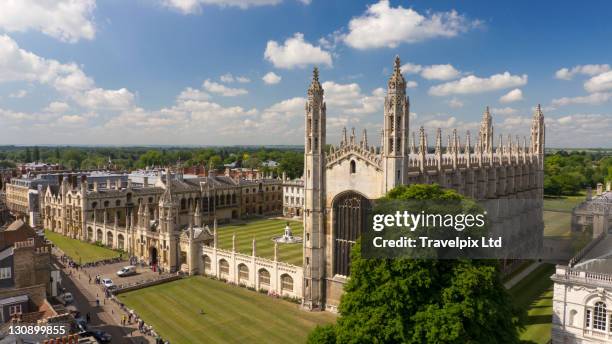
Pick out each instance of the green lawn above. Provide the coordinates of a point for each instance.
(534, 294)
(557, 224)
(263, 231)
(562, 203)
(80, 251)
(231, 314)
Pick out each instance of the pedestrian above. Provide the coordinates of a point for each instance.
(97, 302)
(88, 317)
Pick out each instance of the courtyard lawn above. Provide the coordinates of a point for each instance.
(534, 294)
(231, 314)
(81, 252)
(263, 231)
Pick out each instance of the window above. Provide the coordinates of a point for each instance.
(599, 316)
(588, 318)
(264, 277)
(5, 273)
(286, 283)
(14, 309)
(223, 267)
(243, 272)
(353, 166)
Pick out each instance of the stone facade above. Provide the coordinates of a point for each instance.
(147, 220)
(341, 183)
(293, 198)
(582, 301)
(595, 213)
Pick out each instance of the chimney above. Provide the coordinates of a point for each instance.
(145, 181)
(608, 186)
(599, 189)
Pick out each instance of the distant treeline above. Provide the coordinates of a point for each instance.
(569, 173)
(290, 159)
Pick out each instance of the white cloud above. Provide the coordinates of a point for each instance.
(432, 72)
(474, 84)
(57, 107)
(271, 78)
(17, 64)
(590, 69)
(512, 96)
(411, 68)
(591, 99)
(295, 52)
(348, 99)
(599, 83)
(192, 94)
(411, 84)
(504, 111)
(223, 90)
(66, 20)
(385, 26)
(229, 78)
(195, 6)
(99, 98)
(18, 94)
(440, 72)
(455, 103)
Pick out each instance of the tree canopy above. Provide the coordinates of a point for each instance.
(422, 301)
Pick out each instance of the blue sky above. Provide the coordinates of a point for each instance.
(222, 72)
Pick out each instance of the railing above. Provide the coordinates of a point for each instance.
(586, 249)
(569, 274)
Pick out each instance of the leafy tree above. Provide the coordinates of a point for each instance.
(36, 154)
(422, 301)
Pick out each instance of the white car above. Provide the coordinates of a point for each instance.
(108, 283)
(127, 271)
(67, 298)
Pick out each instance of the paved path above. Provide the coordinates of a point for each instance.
(519, 277)
(107, 316)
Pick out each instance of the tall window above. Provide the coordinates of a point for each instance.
(353, 166)
(223, 267)
(588, 318)
(243, 272)
(350, 214)
(599, 316)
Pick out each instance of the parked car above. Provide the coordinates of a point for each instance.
(100, 336)
(108, 283)
(67, 298)
(127, 271)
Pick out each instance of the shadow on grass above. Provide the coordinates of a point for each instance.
(538, 319)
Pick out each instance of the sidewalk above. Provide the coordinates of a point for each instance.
(107, 316)
(519, 277)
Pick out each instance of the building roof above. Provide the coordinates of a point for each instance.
(14, 299)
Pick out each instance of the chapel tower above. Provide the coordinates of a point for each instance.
(314, 196)
(395, 129)
(486, 132)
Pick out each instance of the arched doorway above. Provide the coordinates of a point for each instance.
(350, 211)
(153, 255)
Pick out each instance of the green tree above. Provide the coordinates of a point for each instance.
(28, 155)
(422, 301)
(36, 154)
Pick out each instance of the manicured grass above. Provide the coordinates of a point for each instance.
(263, 231)
(563, 203)
(557, 224)
(534, 294)
(79, 251)
(231, 314)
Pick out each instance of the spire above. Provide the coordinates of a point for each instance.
(353, 136)
(413, 143)
(315, 85)
(438, 141)
(486, 131)
(422, 141)
(468, 143)
(344, 141)
(397, 81)
(364, 139)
